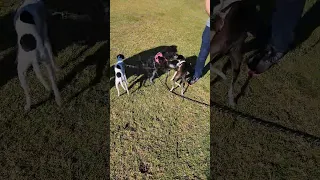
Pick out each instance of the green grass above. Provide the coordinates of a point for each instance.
(49, 142)
(152, 126)
(287, 94)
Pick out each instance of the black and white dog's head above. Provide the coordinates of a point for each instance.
(120, 57)
(170, 52)
(119, 65)
(174, 63)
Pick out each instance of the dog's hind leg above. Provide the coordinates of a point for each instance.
(22, 73)
(37, 71)
(236, 58)
(125, 86)
(183, 82)
(53, 83)
(117, 87)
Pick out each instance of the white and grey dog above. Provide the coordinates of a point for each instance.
(120, 75)
(34, 46)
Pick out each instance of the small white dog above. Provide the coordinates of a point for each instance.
(120, 75)
(34, 46)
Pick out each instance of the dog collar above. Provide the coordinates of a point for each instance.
(180, 63)
(156, 57)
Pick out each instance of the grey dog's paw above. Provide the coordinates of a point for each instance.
(27, 107)
(58, 101)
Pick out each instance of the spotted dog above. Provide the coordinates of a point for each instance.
(120, 74)
(34, 47)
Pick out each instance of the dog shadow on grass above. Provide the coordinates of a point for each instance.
(139, 66)
(8, 66)
(307, 24)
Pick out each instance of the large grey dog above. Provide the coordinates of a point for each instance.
(34, 46)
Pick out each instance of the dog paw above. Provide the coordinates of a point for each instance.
(232, 103)
(27, 107)
(58, 101)
(47, 88)
(57, 69)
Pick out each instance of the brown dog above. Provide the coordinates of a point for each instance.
(228, 36)
(182, 68)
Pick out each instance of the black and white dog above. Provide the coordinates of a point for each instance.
(120, 75)
(34, 46)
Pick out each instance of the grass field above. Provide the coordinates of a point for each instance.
(287, 95)
(154, 134)
(49, 142)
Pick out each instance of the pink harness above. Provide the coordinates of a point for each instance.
(156, 57)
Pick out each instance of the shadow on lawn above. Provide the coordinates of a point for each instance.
(140, 69)
(307, 25)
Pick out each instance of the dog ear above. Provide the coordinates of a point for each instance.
(120, 56)
(181, 57)
(172, 48)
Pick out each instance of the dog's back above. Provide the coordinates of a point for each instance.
(30, 26)
(119, 70)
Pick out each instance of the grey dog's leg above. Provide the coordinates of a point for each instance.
(53, 83)
(22, 73)
(37, 71)
(183, 82)
(153, 76)
(236, 58)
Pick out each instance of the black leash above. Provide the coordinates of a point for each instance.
(311, 138)
(137, 67)
(166, 85)
(190, 99)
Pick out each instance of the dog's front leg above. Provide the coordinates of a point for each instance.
(173, 85)
(153, 76)
(183, 82)
(174, 75)
(22, 73)
(53, 83)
